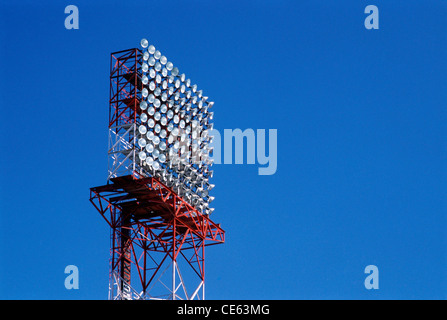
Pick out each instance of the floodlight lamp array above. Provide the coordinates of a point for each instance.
(174, 123)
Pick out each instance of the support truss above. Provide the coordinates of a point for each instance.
(159, 234)
(124, 108)
(125, 87)
(122, 153)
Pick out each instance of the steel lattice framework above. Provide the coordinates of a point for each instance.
(157, 239)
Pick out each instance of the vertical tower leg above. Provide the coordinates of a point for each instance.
(125, 262)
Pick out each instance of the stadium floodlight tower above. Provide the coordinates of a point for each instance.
(157, 197)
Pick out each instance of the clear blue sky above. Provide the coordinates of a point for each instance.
(361, 120)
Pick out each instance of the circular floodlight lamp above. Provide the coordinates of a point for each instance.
(144, 67)
(142, 155)
(142, 142)
(151, 123)
(162, 158)
(163, 60)
(143, 105)
(143, 117)
(152, 73)
(157, 103)
(182, 77)
(144, 92)
(144, 79)
(175, 71)
(156, 165)
(151, 49)
(144, 43)
(151, 98)
(149, 147)
(142, 129)
(150, 135)
(151, 61)
(169, 65)
(145, 55)
(163, 133)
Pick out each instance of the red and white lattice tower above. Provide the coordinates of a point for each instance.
(156, 200)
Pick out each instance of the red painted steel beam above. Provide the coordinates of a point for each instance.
(170, 232)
